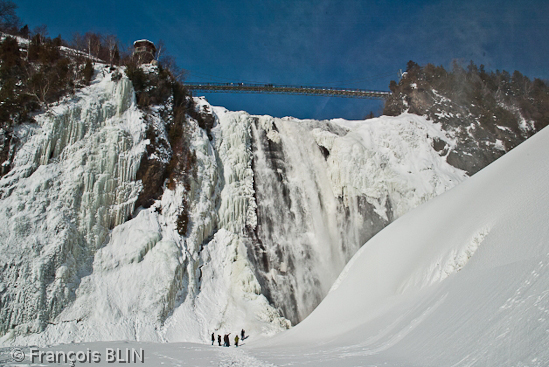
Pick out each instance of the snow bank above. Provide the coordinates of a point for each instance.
(462, 280)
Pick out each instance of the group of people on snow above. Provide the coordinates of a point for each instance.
(226, 341)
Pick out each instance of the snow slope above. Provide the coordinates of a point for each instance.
(463, 280)
(460, 281)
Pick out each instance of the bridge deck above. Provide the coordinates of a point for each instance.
(285, 89)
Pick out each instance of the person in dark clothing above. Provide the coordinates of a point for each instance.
(227, 342)
(242, 334)
(219, 340)
(213, 338)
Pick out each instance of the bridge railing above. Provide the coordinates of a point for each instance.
(286, 89)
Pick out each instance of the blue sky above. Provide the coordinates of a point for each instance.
(345, 43)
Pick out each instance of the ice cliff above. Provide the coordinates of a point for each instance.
(73, 181)
(276, 209)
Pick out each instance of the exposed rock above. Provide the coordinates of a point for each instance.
(486, 120)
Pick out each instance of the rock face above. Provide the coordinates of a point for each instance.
(96, 243)
(6, 151)
(485, 114)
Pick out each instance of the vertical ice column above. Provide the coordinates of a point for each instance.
(73, 180)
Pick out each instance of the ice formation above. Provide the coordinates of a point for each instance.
(73, 181)
(277, 208)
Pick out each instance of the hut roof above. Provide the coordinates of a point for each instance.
(144, 42)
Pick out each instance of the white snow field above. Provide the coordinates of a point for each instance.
(462, 280)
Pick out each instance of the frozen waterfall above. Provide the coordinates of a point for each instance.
(73, 181)
(314, 210)
(300, 242)
(276, 209)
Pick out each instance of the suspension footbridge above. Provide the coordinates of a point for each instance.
(285, 89)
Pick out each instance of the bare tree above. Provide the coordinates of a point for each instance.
(160, 48)
(93, 44)
(78, 42)
(168, 62)
(41, 31)
(38, 85)
(112, 45)
(8, 19)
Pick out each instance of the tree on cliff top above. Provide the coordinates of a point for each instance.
(8, 18)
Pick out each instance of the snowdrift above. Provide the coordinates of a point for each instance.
(462, 280)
